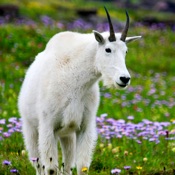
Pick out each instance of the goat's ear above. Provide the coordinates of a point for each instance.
(98, 37)
(133, 38)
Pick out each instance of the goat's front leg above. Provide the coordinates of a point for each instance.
(68, 145)
(86, 141)
(31, 140)
(48, 149)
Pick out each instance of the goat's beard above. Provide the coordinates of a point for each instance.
(108, 82)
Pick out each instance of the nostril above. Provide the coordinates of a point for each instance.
(125, 80)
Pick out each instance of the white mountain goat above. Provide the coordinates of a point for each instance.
(59, 97)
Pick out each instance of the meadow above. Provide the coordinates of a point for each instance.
(136, 126)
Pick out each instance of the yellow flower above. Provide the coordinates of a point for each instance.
(172, 131)
(109, 146)
(101, 145)
(139, 168)
(114, 150)
(104, 149)
(23, 152)
(145, 159)
(84, 169)
(116, 156)
(125, 153)
(131, 154)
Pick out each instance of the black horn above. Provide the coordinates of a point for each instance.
(112, 33)
(125, 31)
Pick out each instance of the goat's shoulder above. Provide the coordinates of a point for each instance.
(68, 39)
(68, 35)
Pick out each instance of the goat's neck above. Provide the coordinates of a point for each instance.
(87, 74)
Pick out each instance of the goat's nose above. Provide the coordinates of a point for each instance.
(125, 80)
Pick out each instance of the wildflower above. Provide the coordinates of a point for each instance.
(34, 159)
(115, 171)
(138, 141)
(131, 154)
(104, 115)
(6, 134)
(109, 146)
(130, 117)
(172, 131)
(2, 121)
(125, 153)
(116, 156)
(145, 159)
(12, 120)
(104, 149)
(14, 171)
(127, 167)
(172, 120)
(107, 95)
(139, 168)
(84, 169)
(145, 130)
(6, 162)
(115, 150)
(23, 152)
(101, 145)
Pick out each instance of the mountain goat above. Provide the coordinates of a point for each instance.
(59, 97)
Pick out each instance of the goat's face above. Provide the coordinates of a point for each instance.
(110, 55)
(110, 62)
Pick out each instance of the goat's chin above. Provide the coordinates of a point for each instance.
(109, 83)
(121, 87)
(114, 85)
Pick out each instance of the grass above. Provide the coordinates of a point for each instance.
(151, 96)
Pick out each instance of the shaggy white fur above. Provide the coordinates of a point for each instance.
(59, 97)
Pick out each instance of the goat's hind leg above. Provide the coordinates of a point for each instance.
(68, 145)
(30, 134)
(48, 149)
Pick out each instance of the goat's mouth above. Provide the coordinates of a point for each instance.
(122, 85)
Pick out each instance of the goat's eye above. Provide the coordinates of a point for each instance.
(126, 52)
(108, 50)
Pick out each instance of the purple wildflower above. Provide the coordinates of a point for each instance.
(152, 139)
(110, 128)
(152, 91)
(60, 25)
(6, 134)
(34, 159)
(13, 120)
(47, 21)
(138, 141)
(14, 171)
(2, 121)
(127, 167)
(115, 171)
(107, 95)
(130, 117)
(6, 162)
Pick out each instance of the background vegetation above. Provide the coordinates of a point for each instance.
(136, 126)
